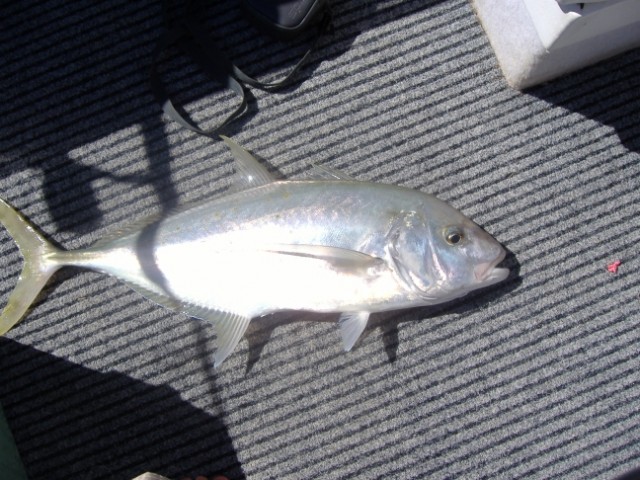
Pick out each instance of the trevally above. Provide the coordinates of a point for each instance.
(327, 243)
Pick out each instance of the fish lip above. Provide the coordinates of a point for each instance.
(488, 272)
(496, 275)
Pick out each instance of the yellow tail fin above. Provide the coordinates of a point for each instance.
(39, 264)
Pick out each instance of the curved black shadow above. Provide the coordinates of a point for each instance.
(72, 422)
(83, 87)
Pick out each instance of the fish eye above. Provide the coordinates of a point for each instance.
(453, 237)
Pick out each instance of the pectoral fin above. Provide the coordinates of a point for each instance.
(351, 327)
(341, 258)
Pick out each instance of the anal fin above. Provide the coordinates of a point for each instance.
(229, 328)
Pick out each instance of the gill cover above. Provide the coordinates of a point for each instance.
(410, 252)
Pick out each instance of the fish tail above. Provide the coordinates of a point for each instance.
(41, 260)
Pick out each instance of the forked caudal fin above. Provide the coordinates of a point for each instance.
(39, 264)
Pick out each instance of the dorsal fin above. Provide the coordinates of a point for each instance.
(318, 172)
(249, 173)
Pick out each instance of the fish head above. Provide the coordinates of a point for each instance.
(461, 255)
(439, 254)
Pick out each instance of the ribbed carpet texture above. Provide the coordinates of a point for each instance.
(538, 377)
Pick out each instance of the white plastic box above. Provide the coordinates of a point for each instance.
(538, 40)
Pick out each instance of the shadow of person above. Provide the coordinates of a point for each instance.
(73, 422)
(73, 76)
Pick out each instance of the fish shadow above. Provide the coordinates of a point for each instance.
(630, 475)
(389, 322)
(69, 421)
(259, 332)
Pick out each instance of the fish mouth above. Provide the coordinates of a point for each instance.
(488, 273)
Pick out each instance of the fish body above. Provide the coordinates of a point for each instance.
(324, 244)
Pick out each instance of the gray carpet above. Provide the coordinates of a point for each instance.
(538, 377)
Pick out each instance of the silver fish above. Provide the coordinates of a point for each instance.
(328, 243)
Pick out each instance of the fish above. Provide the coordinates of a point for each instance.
(326, 243)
